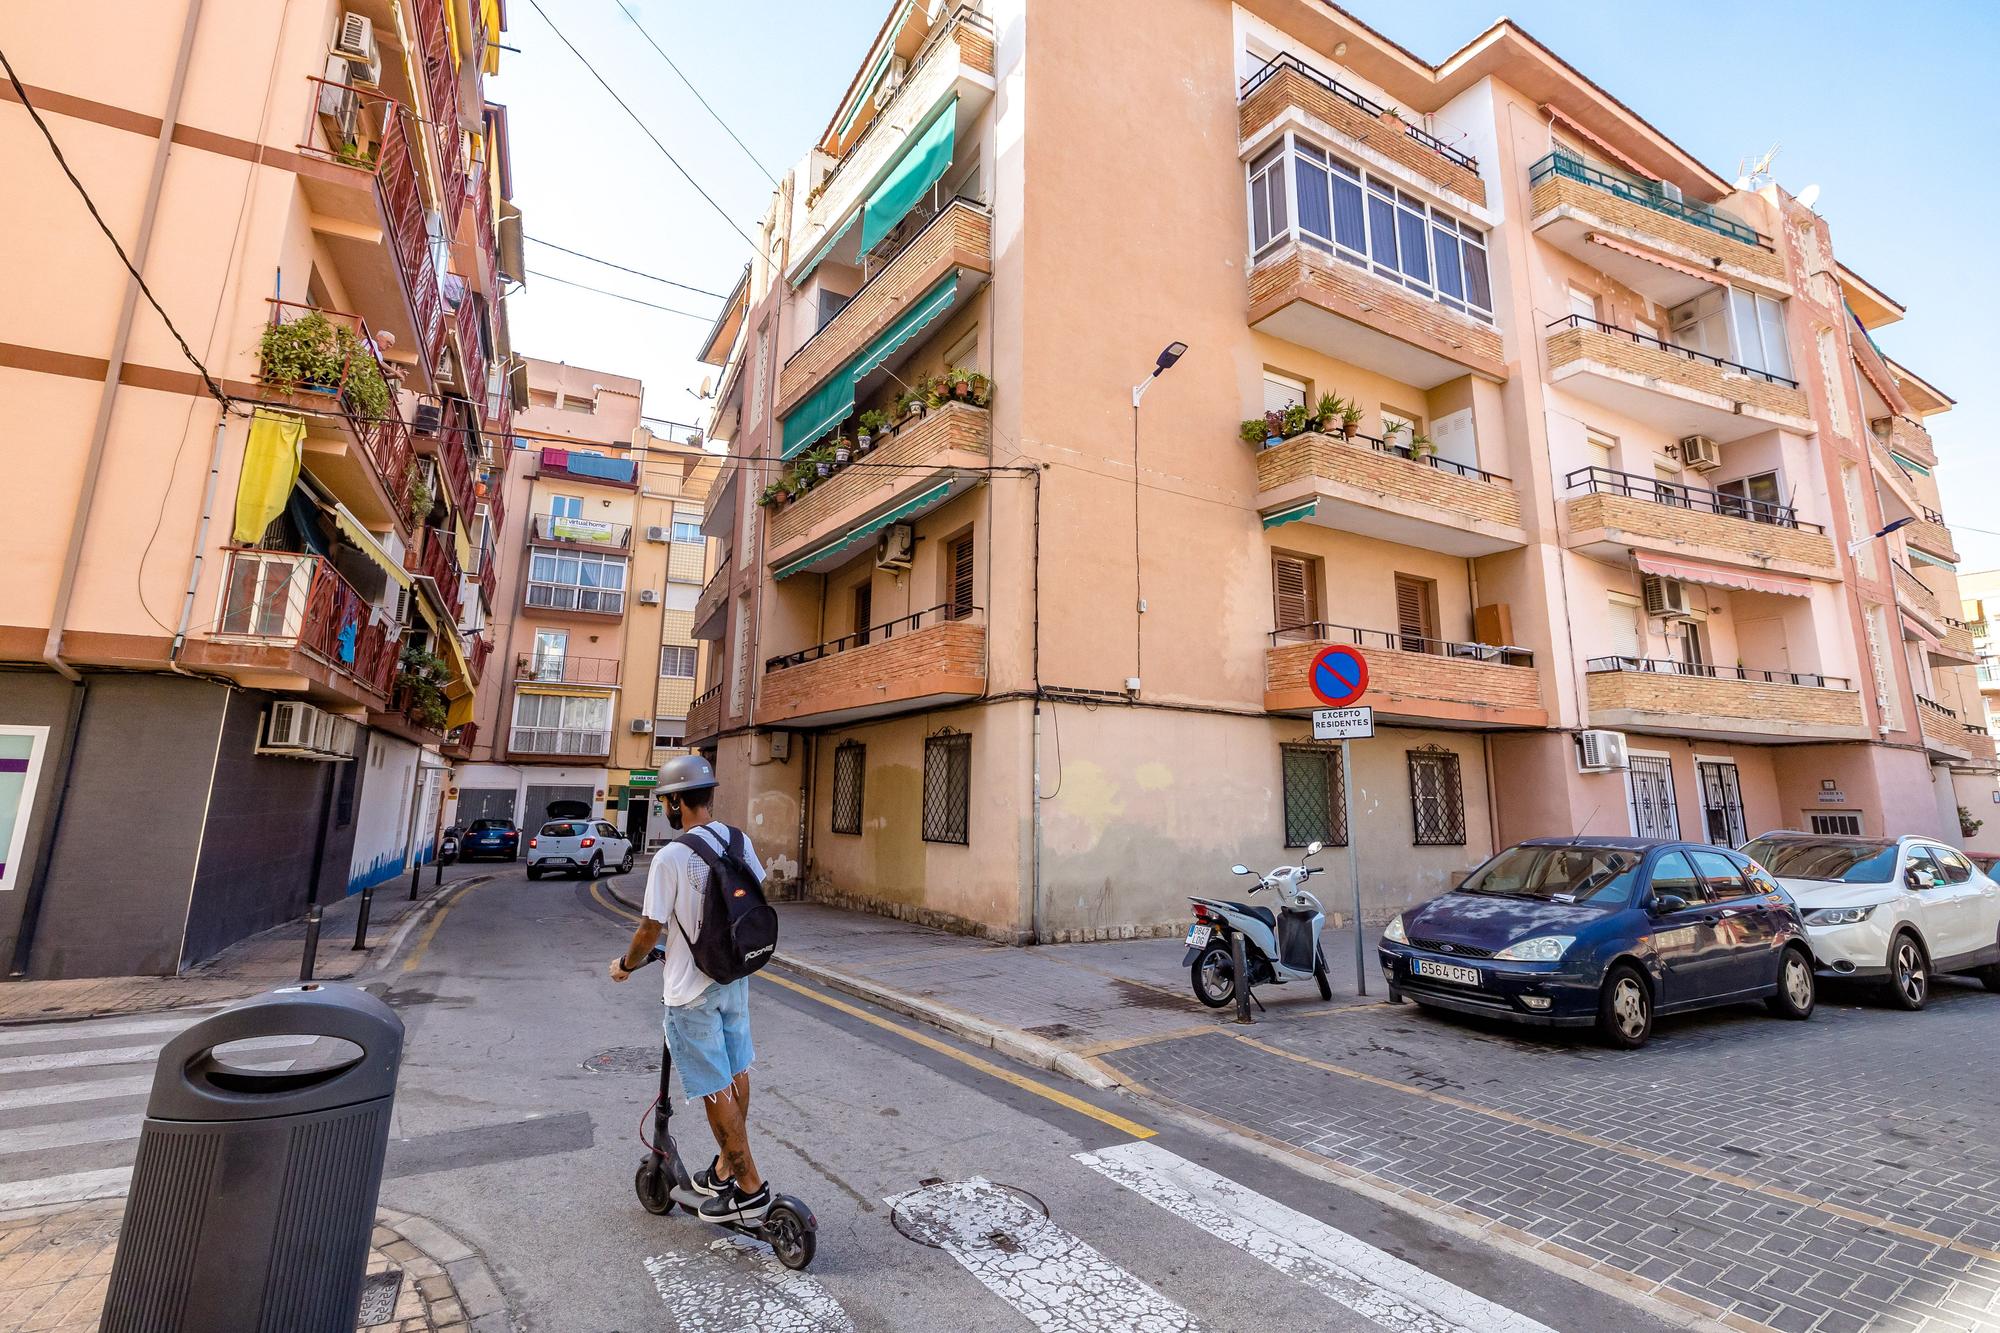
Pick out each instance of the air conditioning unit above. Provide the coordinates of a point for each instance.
(354, 42)
(1600, 751)
(339, 103)
(898, 548)
(289, 725)
(322, 731)
(649, 596)
(656, 534)
(1665, 596)
(642, 726)
(1700, 453)
(346, 732)
(892, 79)
(1670, 191)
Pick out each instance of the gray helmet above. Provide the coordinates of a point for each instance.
(687, 772)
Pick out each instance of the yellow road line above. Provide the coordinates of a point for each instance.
(430, 931)
(606, 901)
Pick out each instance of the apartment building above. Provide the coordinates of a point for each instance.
(594, 608)
(243, 600)
(1584, 446)
(1979, 591)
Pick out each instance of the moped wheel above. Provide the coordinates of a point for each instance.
(1319, 975)
(651, 1184)
(790, 1238)
(1214, 975)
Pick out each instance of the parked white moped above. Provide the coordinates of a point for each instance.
(1278, 946)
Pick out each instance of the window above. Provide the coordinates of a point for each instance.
(830, 304)
(1582, 303)
(1416, 614)
(1601, 449)
(1758, 325)
(1761, 491)
(1846, 825)
(1282, 391)
(1672, 874)
(566, 506)
(1627, 624)
(1369, 223)
(964, 352)
(958, 578)
(1957, 869)
(669, 733)
(1685, 640)
(677, 660)
(1701, 325)
(864, 611)
(849, 763)
(948, 787)
(1314, 808)
(551, 647)
(687, 528)
(577, 581)
(1437, 798)
(561, 723)
(1294, 595)
(1398, 426)
(1722, 875)
(577, 403)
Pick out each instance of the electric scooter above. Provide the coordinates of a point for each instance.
(663, 1181)
(1277, 947)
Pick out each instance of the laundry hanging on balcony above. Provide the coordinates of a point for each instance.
(271, 461)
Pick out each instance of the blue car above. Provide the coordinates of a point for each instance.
(490, 837)
(1604, 933)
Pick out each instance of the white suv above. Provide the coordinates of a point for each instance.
(580, 846)
(1891, 909)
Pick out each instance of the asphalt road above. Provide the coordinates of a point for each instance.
(507, 1133)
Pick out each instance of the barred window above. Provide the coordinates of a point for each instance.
(1437, 798)
(1313, 806)
(1836, 824)
(849, 761)
(948, 787)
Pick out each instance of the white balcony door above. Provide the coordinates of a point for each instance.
(551, 647)
(1628, 634)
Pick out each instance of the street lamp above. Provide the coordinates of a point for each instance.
(1854, 547)
(1173, 352)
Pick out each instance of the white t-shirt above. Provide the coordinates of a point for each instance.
(675, 889)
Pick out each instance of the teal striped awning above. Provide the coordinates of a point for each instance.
(1303, 509)
(919, 166)
(866, 532)
(1910, 464)
(831, 403)
(1923, 559)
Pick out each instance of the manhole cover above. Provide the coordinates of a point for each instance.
(378, 1297)
(967, 1213)
(625, 1060)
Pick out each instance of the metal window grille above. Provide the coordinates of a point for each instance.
(849, 760)
(948, 787)
(1313, 805)
(1848, 824)
(1437, 798)
(1654, 814)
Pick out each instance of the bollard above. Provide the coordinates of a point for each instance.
(416, 873)
(254, 1193)
(438, 882)
(312, 943)
(1236, 961)
(361, 921)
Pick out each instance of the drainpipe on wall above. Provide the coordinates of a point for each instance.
(108, 394)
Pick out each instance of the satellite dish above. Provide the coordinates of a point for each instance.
(1809, 196)
(708, 381)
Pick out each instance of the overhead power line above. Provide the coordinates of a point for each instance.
(644, 128)
(619, 296)
(697, 95)
(635, 272)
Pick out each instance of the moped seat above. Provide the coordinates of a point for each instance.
(1260, 913)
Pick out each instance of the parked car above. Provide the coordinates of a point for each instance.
(1898, 910)
(580, 846)
(490, 837)
(1603, 932)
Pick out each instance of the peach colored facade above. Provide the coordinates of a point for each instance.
(1034, 663)
(329, 229)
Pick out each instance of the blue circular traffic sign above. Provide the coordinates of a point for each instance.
(1338, 676)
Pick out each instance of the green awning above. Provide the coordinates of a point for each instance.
(1924, 559)
(923, 160)
(1910, 464)
(833, 400)
(800, 273)
(1304, 509)
(867, 531)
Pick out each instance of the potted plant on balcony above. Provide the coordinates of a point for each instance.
(1390, 431)
(843, 451)
(1295, 419)
(301, 354)
(869, 423)
(417, 497)
(980, 390)
(771, 495)
(1254, 432)
(1350, 417)
(420, 678)
(958, 384)
(822, 461)
(1421, 447)
(1274, 428)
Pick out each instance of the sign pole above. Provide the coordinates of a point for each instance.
(1338, 678)
(1353, 867)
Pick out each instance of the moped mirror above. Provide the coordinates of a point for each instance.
(1664, 903)
(1239, 870)
(1312, 849)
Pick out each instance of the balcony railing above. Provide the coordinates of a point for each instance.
(383, 435)
(437, 560)
(458, 742)
(1669, 667)
(1320, 631)
(285, 597)
(1422, 459)
(478, 649)
(1270, 68)
(943, 613)
(1646, 195)
(593, 468)
(457, 435)
(573, 597)
(433, 41)
(704, 715)
(1935, 707)
(1672, 349)
(472, 350)
(561, 668)
(559, 740)
(580, 532)
(967, 16)
(1606, 481)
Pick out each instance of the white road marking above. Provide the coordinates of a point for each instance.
(92, 1029)
(70, 1133)
(127, 1055)
(734, 1285)
(1377, 1285)
(55, 1094)
(1060, 1284)
(72, 1188)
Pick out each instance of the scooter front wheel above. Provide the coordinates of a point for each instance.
(792, 1238)
(653, 1187)
(1214, 975)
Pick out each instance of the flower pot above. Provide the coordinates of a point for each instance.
(823, 469)
(843, 455)
(1273, 441)
(864, 441)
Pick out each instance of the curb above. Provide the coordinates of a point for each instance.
(470, 1296)
(386, 953)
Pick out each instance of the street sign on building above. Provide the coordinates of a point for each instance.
(1338, 676)
(644, 777)
(1343, 724)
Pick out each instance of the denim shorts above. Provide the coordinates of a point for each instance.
(710, 1039)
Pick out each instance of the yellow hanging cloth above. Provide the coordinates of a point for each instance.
(458, 711)
(270, 470)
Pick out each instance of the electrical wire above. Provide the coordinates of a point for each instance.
(635, 272)
(619, 296)
(719, 210)
(214, 389)
(697, 95)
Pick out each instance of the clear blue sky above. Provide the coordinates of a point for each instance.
(1890, 110)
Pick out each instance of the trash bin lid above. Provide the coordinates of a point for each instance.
(191, 1083)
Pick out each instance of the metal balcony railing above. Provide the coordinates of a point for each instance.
(563, 669)
(1668, 667)
(581, 532)
(559, 740)
(943, 613)
(1936, 707)
(433, 42)
(1646, 194)
(1410, 454)
(1321, 631)
(437, 560)
(382, 434)
(478, 649)
(1606, 481)
(1673, 349)
(288, 597)
(1269, 70)
(574, 597)
(458, 742)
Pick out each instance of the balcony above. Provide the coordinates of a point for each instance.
(458, 742)
(927, 461)
(563, 669)
(1410, 679)
(1955, 647)
(719, 507)
(704, 717)
(437, 560)
(558, 530)
(926, 660)
(937, 271)
(711, 619)
(1930, 535)
(1682, 391)
(1906, 437)
(1286, 90)
(471, 338)
(1613, 513)
(574, 599)
(594, 469)
(1950, 737)
(1734, 703)
(325, 360)
(478, 649)
(1919, 601)
(563, 742)
(289, 622)
(448, 431)
(1381, 490)
(433, 39)
(1668, 248)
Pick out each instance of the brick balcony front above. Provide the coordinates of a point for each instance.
(704, 717)
(950, 443)
(1609, 524)
(710, 620)
(897, 671)
(1920, 601)
(1585, 220)
(1681, 391)
(1950, 738)
(1664, 701)
(1930, 535)
(1413, 686)
(1360, 485)
(1907, 438)
(960, 239)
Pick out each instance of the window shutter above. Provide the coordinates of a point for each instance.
(1625, 629)
(1291, 593)
(1413, 614)
(961, 578)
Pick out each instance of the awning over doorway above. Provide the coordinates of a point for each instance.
(1721, 576)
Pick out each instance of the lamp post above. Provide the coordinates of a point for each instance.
(1854, 547)
(1172, 353)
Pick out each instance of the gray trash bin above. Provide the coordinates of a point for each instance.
(254, 1194)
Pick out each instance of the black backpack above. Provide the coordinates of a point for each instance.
(739, 929)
